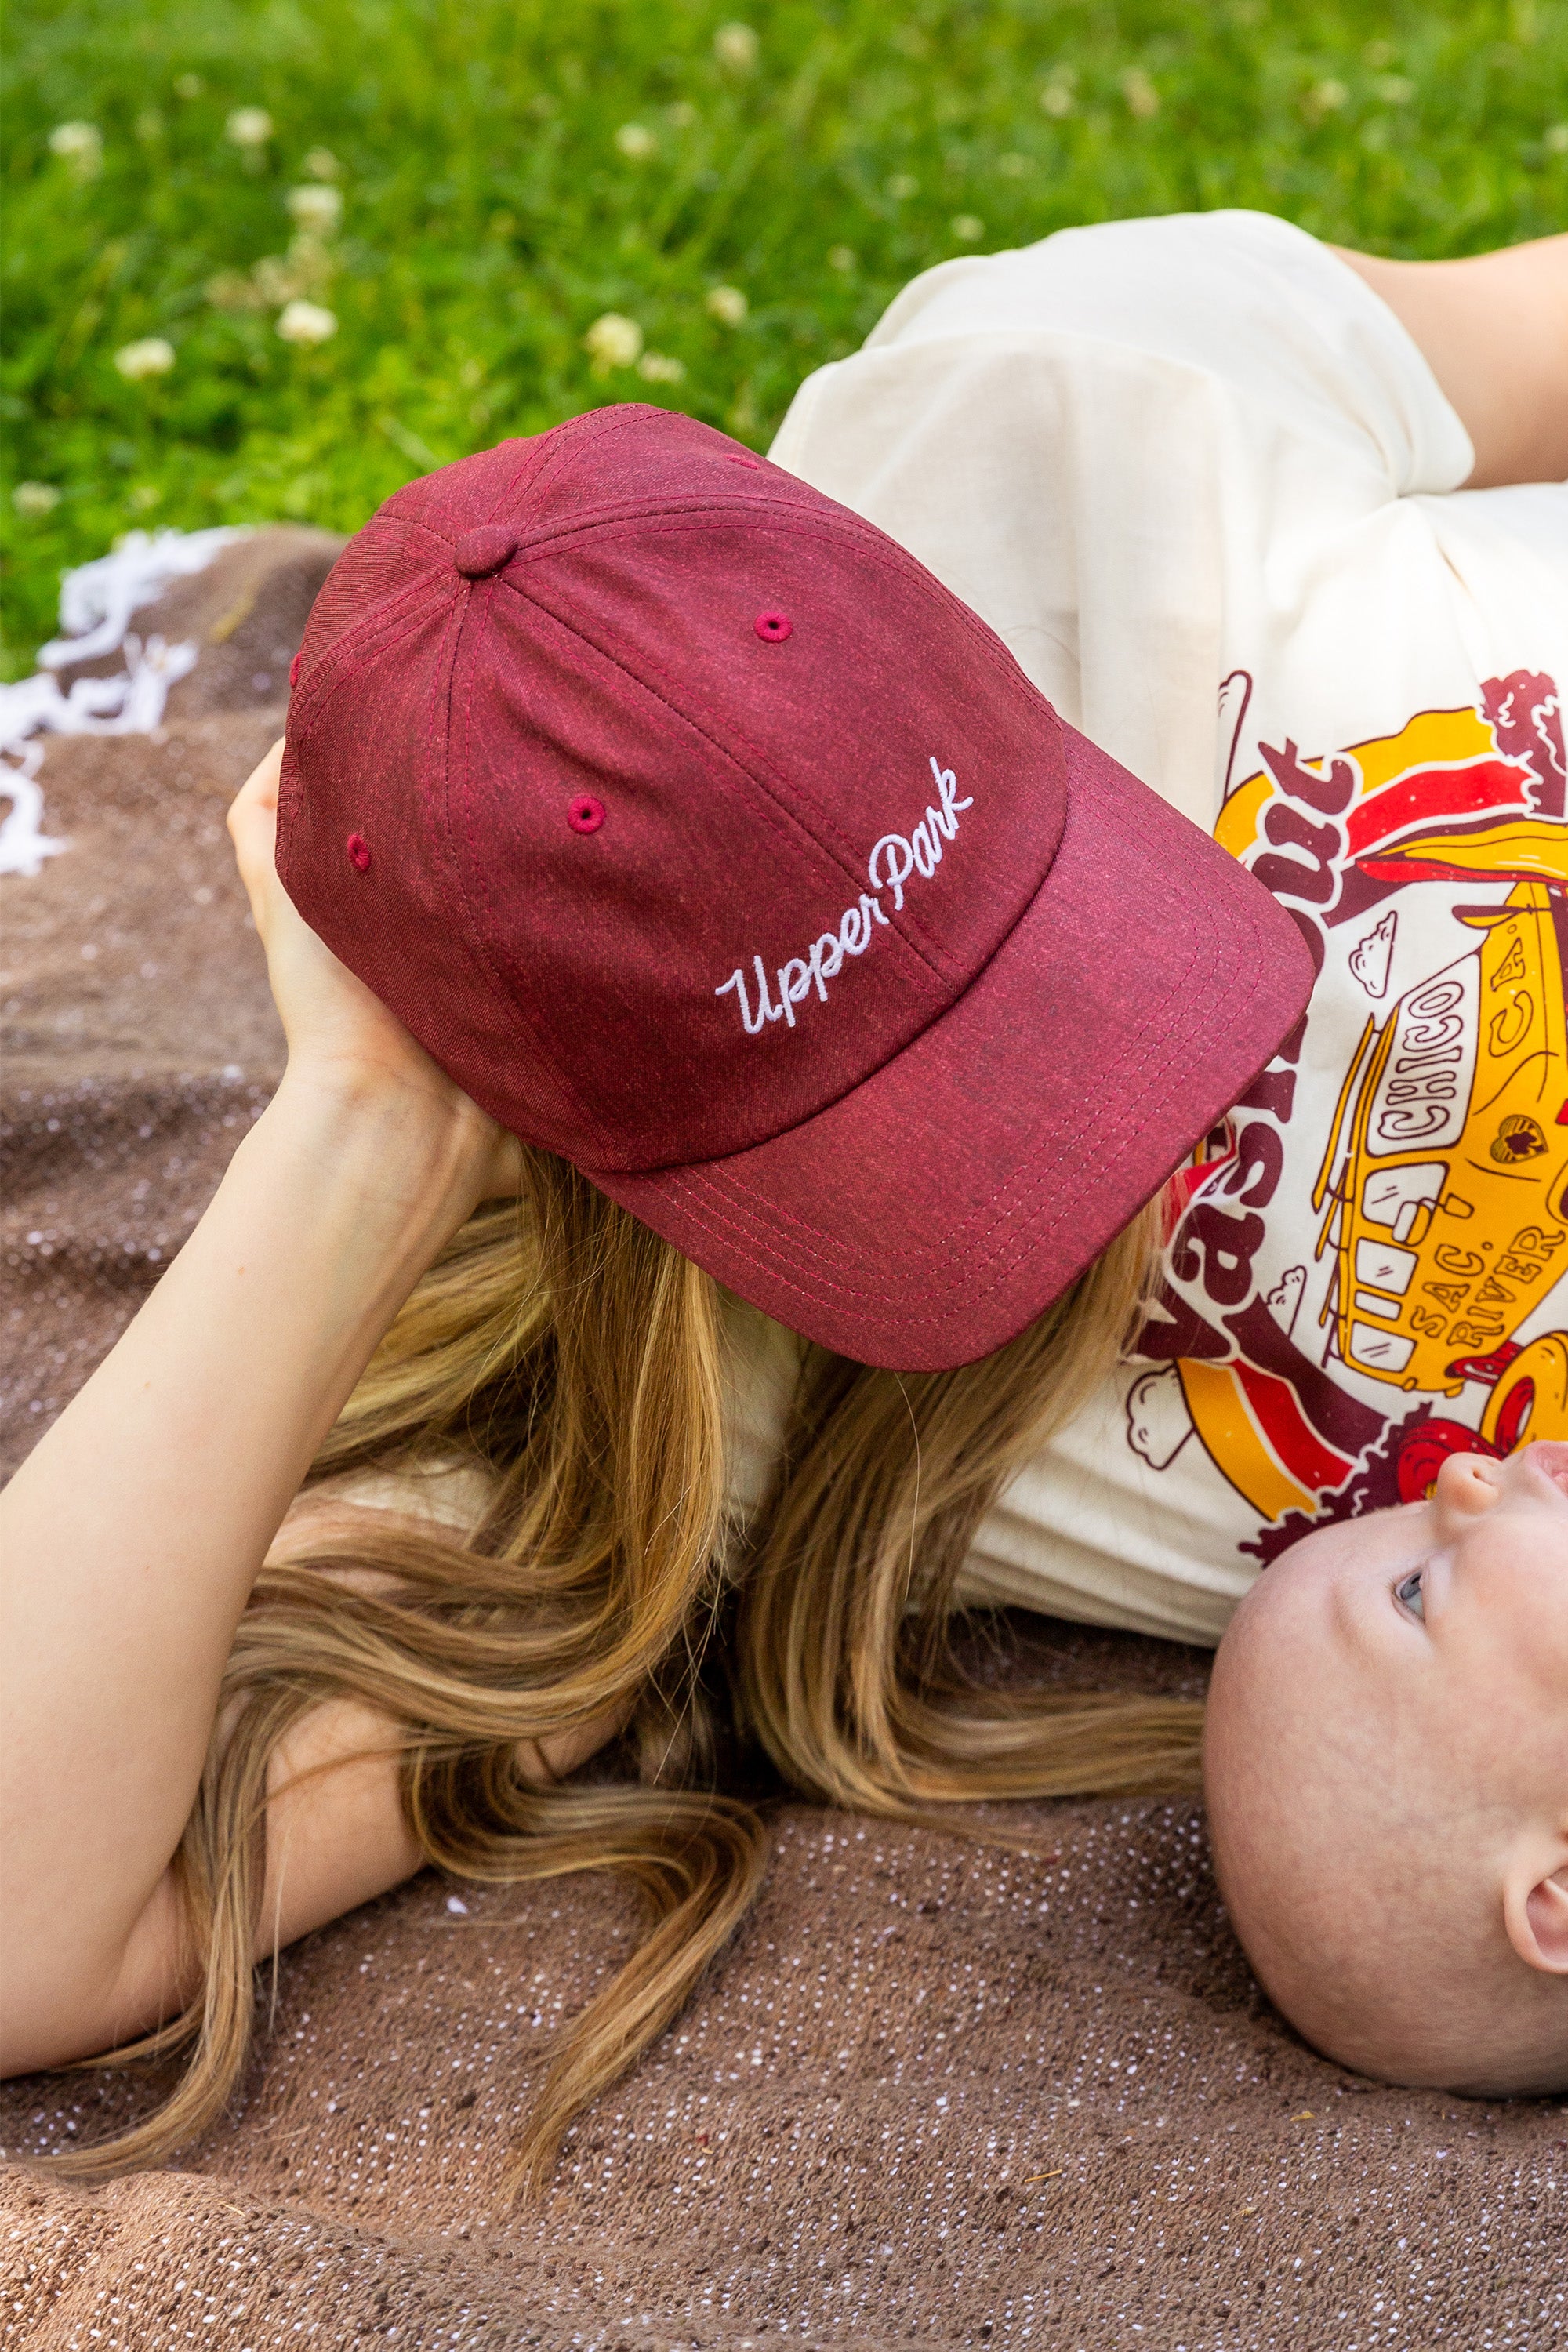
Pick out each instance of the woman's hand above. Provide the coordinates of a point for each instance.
(341, 1037)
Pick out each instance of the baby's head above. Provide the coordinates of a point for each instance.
(1386, 1764)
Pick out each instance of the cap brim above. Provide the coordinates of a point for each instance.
(934, 1210)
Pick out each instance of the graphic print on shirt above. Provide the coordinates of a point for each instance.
(1372, 1271)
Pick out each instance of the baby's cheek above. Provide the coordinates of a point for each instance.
(1506, 1656)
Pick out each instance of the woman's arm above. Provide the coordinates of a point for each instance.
(131, 1537)
(336, 1836)
(1494, 332)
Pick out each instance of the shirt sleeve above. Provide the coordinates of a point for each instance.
(1241, 296)
(1107, 442)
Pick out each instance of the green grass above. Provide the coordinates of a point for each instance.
(491, 217)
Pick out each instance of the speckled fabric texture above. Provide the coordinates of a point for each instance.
(937, 2094)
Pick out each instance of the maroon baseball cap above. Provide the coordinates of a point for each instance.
(704, 838)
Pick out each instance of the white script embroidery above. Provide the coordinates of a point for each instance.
(895, 857)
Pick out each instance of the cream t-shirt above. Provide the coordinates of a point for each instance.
(1202, 482)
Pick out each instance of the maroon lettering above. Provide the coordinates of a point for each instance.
(1273, 1091)
(1218, 1250)
(1308, 926)
(1253, 1177)
(1331, 795)
(1177, 1329)
(1287, 876)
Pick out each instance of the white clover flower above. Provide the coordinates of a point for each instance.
(248, 127)
(727, 304)
(737, 46)
(1057, 97)
(231, 289)
(612, 342)
(636, 141)
(322, 165)
(311, 260)
(659, 367)
(1327, 97)
(274, 281)
(188, 85)
(305, 322)
(80, 144)
(316, 208)
(151, 356)
(35, 497)
(902, 185)
(967, 228)
(681, 115)
(1395, 89)
(1556, 140)
(1142, 98)
(841, 257)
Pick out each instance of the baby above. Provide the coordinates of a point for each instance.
(1387, 1777)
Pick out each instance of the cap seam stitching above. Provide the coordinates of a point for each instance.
(757, 774)
(778, 813)
(474, 875)
(891, 558)
(393, 619)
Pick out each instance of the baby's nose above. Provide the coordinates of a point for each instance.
(1466, 1485)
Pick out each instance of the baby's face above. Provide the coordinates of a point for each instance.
(1453, 1613)
(1386, 1762)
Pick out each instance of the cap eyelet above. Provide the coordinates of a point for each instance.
(773, 628)
(585, 814)
(359, 853)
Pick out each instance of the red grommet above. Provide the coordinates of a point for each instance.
(585, 814)
(359, 852)
(773, 628)
(294, 671)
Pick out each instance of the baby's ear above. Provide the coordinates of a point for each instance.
(1538, 1928)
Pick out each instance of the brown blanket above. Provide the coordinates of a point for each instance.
(935, 2093)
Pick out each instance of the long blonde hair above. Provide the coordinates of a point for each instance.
(583, 1363)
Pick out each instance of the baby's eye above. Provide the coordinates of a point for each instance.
(1407, 1592)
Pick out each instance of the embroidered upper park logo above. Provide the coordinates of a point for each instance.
(896, 858)
(1414, 1133)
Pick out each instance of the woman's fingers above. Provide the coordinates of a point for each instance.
(336, 1028)
(253, 829)
(260, 787)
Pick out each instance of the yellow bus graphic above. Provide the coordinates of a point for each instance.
(1444, 1182)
